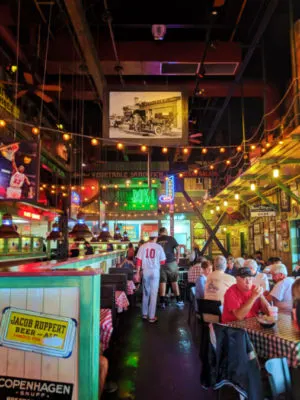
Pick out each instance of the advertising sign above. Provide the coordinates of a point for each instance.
(262, 211)
(146, 229)
(146, 116)
(168, 197)
(132, 231)
(19, 170)
(41, 333)
(27, 389)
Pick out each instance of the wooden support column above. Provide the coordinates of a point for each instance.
(287, 190)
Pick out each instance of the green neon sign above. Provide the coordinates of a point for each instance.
(137, 199)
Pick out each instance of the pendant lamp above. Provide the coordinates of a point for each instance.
(80, 230)
(104, 234)
(8, 230)
(55, 234)
(125, 237)
(117, 234)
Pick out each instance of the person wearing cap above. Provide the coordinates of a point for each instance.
(260, 279)
(150, 257)
(244, 300)
(281, 294)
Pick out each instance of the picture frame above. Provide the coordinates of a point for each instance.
(278, 225)
(285, 231)
(257, 230)
(285, 201)
(251, 232)
(157, 116)
(272, 226)
(272, 241)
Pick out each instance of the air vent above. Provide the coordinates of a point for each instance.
(220, 68)
(179, 68)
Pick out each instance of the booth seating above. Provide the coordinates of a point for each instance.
(119, 280)
(108, 299)
(130, 285)
(129, 274)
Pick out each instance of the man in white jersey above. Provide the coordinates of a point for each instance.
(150, 257)
(14, 191)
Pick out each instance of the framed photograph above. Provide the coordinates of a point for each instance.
(285, 229)
(266, 236)
(19, 170)
(286, 246)
(148, 117)
(251, 232)
(278, 226)
(272, 225)
(285, 202)
(257, 230)
(278, 242)
(272, 241)
(258, 243)
(251, 248)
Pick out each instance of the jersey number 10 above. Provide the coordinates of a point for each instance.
(150, 254)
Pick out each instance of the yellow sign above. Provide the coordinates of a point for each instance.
(37, 330)
(27, 330)
(8, 104)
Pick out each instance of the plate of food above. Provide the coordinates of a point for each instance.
(266, 321)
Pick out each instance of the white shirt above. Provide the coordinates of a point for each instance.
(151, 254)
(17, 180)
(217, 284)
(261, 280)
(282, 292)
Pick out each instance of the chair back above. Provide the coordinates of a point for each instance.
(279, 378)
(119, 280)
(125, 271)
(107, 299)
(209, 307)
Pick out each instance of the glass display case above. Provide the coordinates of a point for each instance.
(13, 245)
(26, 244)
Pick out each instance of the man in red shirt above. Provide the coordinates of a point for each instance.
(244, 300)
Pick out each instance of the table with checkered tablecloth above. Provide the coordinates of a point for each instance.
(122, 302)
(130, 287)
(283, 340)
(106, 327)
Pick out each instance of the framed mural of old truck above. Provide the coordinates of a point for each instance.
(150, 117)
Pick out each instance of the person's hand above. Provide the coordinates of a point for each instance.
(257, 292)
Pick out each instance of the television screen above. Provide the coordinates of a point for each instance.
(19, 170)
(147, 116)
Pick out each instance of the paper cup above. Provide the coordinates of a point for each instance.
(274, 312)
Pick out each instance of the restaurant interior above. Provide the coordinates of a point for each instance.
(119, 119)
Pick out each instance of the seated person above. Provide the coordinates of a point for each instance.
(260, 279)
(244, 300)
(281, 294)
(88, 248)
(74, 250)
(259, 259)
(201, 280)
(296, 303)
(231, 270)
(296, 271)
(196, 255)
(218, 282)
(127, 263)
(271, 261)
(194, 272)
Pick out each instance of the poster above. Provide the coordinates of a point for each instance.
(13, 388)
(154, 115)
(19, 170)
(146, 229)
(41, 333)
(132, 231)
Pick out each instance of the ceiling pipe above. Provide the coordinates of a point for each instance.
(87, 46)
(238, 20)
(262, 27)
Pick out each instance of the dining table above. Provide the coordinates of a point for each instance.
(106, 327)
(282, 340)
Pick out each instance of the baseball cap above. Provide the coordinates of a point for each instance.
(153, 234)
(244, 272)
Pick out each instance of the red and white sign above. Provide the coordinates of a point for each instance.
(30, 215)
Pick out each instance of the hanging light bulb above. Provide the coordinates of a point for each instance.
(180, 175)
(263, 150)
(236, 196)
(252, 147)
(120, 146)
(222, 149)
(94, 142)
(195, 171)
(60, 126)
(185, 150)
(218, 208)
(204, 151)
(164, 150)
(66, 137)
(225, 203)
(280, 142)
(212, 211)
(276, 171)
(211, 167)
(35, 130)
(8, 230)
(268, 145)
(252, 186)
(228, 162)
(2, 123)
(144, 148)
(80, 230)
(55, 234)
(239, 148)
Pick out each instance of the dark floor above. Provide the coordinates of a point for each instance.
(158, 361)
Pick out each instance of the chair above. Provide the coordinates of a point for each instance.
(107, 299)
(279, 378)
(211, 307)
(125, 271)
(119, 280)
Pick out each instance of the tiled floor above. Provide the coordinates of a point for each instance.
(158, 361)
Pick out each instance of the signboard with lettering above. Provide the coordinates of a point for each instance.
(41, 333)
(168, 197)
(262, 211)
(28, 389)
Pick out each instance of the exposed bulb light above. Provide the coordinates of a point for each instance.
(204, 151)
(66, 137)
(280, 142)
(211, 167)
(94, 142)
(2, 123)
(120, 146)
(263, 150)
(222, 149)
(164, 150)
(218, 208)
(252, 186)
(228, 162)
(225, 203)
(195, 171)
(252, 147)
(144, 148)
(239, 148)
(268, 145)
(236, 196)
(185, 150)
(276, 171)
(35, 130)
(181, 175)
(212, 211)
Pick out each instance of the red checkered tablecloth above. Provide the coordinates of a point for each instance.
(121, 300)
(283, 340)
(130, 287)
(106, 327)
(194, 272)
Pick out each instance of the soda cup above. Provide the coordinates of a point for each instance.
(274, 312)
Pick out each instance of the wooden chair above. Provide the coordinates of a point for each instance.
(279, 378)
(208, 311)
(119, 280)
(107, 300)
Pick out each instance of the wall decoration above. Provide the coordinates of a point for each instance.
(258, 243)
(285, 229)
(278, 226)
(266, 236)
(285, 202)
(285, 246)
(272, 225)
(251, 232)
(146, 116)
(272, 241)
(257, 229)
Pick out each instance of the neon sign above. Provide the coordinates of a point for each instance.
(168, 197)
(75, 198)
(30, 215)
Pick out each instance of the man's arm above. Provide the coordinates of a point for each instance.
(14, 165)
(27, 181)
(241, 312)
(265, 306)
